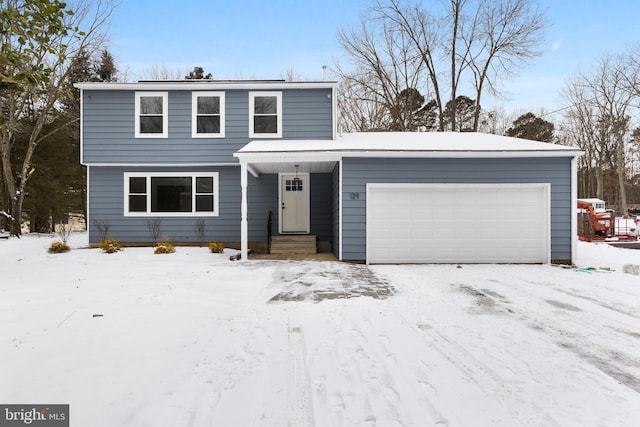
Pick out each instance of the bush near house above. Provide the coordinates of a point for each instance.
(110, 245)
(216, 248)
(165, 247)
(58, 247)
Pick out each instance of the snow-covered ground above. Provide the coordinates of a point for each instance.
(193, 339)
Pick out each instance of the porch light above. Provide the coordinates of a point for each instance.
(297, 182)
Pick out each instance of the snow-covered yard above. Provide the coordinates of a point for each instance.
(193, 339)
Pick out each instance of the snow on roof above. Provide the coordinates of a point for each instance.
(449, 142)
(205, 84)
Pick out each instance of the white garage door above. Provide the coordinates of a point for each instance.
(458, 223)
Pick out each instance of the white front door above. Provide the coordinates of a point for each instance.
(294, 203)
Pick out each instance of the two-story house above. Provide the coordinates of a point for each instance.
(244, 159)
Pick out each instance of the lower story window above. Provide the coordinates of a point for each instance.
(171, 194)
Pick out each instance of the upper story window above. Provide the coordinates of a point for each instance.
(207, 114)
(265, 114)
(151, 115)
(171, 194)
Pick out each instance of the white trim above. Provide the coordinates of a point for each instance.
(206, 85)
(543, 185)
(162, 165)
(307, 183)
(336, 155)
(574, 209)
(82, 128)
(165, 115)
(334, 112)
(252, 170)
(244, 223)
(252, 97)
(88, 206)
(193, 175)
(340, 212)
(194, 114)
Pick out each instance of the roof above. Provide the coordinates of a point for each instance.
(452, 143)
(206, 85)
(269, 156)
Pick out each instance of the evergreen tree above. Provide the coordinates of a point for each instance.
(465, 109)
(529, 126)
(106, 70)
(198, 74)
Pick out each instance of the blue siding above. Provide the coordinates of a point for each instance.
(321, 206)
(357, 172)
(106, 203)
(109, 125)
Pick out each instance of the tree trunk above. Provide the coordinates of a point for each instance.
(621, 178)
(14, 205)
(454, 39)
(599, 182)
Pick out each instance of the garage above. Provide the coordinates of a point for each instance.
(458, 223)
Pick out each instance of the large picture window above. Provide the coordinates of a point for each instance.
(207, 114)
(151, 115)
(171, 194)
(265, 114)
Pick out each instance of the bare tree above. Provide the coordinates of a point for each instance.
(38, 40)
(360, 108)
(161, 72)
(581, 128)
(503, 38)
(466, 42)
(602, 104)
(384, 67)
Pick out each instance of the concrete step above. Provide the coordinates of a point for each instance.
(293, 244)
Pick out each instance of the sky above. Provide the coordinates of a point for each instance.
(265, 39)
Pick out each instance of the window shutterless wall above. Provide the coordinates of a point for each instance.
(109, 123)
(162, 194)
(107, 203)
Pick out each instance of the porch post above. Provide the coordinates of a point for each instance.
(244, 227)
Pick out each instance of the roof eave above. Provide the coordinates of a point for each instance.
(257, 156)
(208, 85)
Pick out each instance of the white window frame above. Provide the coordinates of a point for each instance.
(194, 115)
(165, 115)
(252, 97)
(193, 175)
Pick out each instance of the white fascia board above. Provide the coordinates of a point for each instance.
(292, 156)
(161, 165)
(310, 156)
(205, 85)
(81, 127)
(463, 154)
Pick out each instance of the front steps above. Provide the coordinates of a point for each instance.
(293, 245)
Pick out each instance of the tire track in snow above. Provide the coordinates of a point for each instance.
(524, 413)
(381, 386)
(300, 404)
(580, 330)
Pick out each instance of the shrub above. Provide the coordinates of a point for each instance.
(199, 227)
(165, 247)
(64, 231)
(216, 248)
(58, 247)
(155, 228)
(103, 228)
(110, 245)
